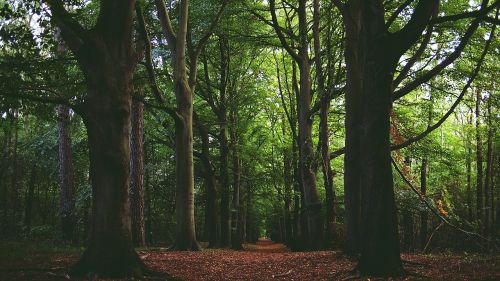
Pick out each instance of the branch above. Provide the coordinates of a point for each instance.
(458, 100)
(48, 100)
(148, 58)
(203, 41)
(419, 20)
(473, 14)
(396, 13)
(435, 212)
(166, 24)
(73, 33)
(438, 68)
(415, 57)
(448, 113)
(281, 37)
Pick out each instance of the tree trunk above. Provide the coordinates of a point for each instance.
(313, 222)
(224, 147)
(184, 199)
(288, 180)
(479, 162)
(369, 182)
(353, 128)
(107, 118)
(66, 175)
(210, 188)
(15, 169)
(235, 218)
(487, 177)
(28, 199)
(137, 173)
(423, 213)
(468, 166)
(323, 134)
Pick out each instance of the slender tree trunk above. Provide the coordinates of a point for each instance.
(15, 169)
(235, 220)
(323, 134)
(468, 167)
(423, 213)
(479, 162)
(137, 173)
(210, 188)
(312, 209)
(224, 147)
(408, 230)
(288, 180)
(28, 199)
(66, 175)
(353, 128)
(488, 175)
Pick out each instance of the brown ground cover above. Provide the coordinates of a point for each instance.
(261, 261)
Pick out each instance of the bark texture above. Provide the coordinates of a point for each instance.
(66, 174)
(137, 173)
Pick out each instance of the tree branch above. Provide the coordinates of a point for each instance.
(166, 24)
(281, 37)
(419, 20)
(73, 33)
(438, 68)
(457, 101)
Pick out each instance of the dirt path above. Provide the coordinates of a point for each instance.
(264, 260)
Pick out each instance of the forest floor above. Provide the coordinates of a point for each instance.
(262, 261)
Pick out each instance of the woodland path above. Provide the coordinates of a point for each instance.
(264, 260)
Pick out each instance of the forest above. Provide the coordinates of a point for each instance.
(249, 140)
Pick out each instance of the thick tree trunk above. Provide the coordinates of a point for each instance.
(106, 115)
(370, 68)
(66, 176)
(137, 173)
(423, 213)
(479, 162)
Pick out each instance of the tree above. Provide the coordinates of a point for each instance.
(372, 54)
(107, 59)
(184, 88)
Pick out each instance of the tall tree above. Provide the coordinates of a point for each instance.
(184, 88)
(372, 54)
(107, 59)
(312, 222)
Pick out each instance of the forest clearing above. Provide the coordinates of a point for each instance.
(249, 140)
